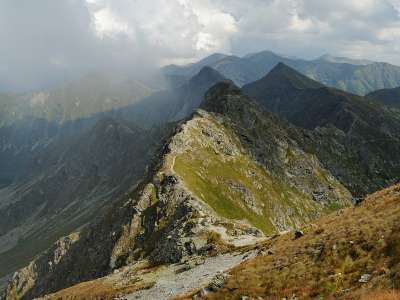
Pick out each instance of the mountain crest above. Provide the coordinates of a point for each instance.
(218, 97)
(206, 76)
(284, 76)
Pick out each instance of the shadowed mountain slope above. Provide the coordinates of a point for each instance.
(358, 141)
(64, 179)
(388, 97)
(173, 104)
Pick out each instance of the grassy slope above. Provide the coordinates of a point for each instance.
(329, 260)
(276, 202)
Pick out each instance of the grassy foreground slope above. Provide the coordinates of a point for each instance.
(326, 263)
(331, 260)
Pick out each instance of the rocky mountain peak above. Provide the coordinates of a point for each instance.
(283, 76)
(206, 76)
(218, 97)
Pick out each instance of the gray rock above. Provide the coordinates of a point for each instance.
(218, 281)
(298, 234)
(365, 278)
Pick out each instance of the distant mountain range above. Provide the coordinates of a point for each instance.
(98, 93)
(355, 76)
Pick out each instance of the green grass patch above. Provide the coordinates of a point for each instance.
(207, 173)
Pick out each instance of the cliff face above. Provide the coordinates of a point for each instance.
(228, 176)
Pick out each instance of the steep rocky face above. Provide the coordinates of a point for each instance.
(388, 97)
(68, 181)
(227, 175)
(355, 76)
(356, 140)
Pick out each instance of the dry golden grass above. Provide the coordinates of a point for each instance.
(326, 263)
(329, 260)
(109, 288)
(95, 290)
(381, 295)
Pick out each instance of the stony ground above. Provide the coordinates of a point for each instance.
(173, 282)
(144, 281)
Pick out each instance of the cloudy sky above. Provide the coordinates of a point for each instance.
(44, 40)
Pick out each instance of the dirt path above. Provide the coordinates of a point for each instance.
(172, 283)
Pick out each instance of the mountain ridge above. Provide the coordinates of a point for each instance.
(248, 180)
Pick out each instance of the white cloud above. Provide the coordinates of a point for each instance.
(108, 24)
(43, 40)
(300, 24)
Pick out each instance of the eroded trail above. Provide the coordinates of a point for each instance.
(171, 282)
